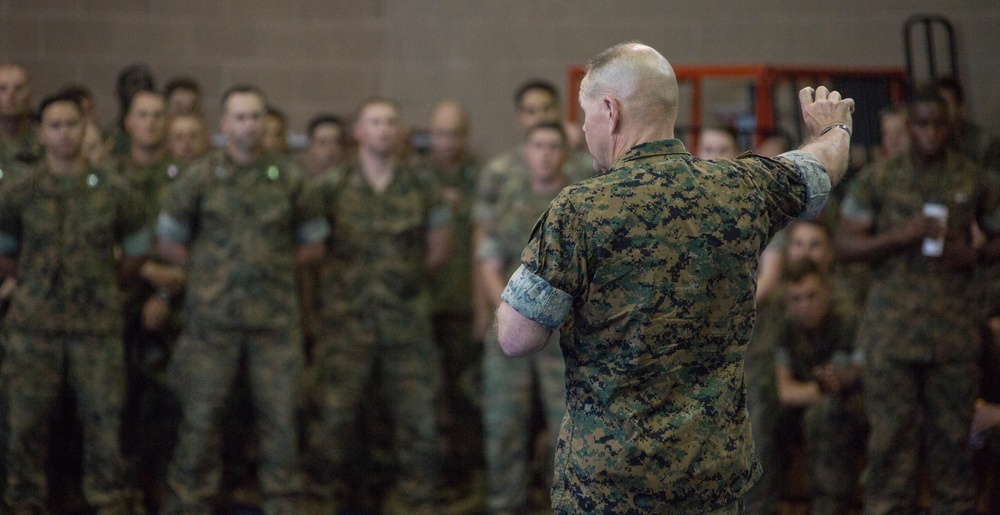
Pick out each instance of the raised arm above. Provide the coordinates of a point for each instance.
(828, 118)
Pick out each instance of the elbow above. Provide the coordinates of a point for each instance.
(509, 344)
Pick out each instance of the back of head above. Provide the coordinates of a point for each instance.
(640, 78)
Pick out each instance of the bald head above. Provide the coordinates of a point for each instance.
(15, 91)
(448, 129)
(640, 78)
(629, 97)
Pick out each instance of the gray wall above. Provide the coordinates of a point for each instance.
(312, 55)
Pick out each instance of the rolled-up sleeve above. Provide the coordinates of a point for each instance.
(312, 231)
(536, 299)
(8, 244)
(813, 175)
(170, 228)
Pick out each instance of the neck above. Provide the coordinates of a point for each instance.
(929, 159)
(65, 167)
(377, 168)
(547, 185)
(628, 139)
(451, 165)
(148, 155)
(13, 126)
(242, 156)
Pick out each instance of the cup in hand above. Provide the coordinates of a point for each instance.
(934, 246)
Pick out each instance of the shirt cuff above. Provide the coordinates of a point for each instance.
(8, 244)
(138, 243)
(488, 249)
(811, 172)
(170, 228)
(312, 231)
(852, 210)
(439, 217)
(536, 299)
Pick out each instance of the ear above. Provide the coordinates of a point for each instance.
(613, 108)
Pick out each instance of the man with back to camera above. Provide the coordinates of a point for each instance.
(238, 220)
(653, 262)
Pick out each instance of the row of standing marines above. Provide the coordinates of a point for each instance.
(239, 235)
(242, 237)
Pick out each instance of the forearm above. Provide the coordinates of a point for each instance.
(438, 249)
(798, 393)
(832, 150)
(493, 282)
(518, 334)
(164, 276)
(172, 252)
(309, 253)
(8, 265)
(855, 244)
(128, 268)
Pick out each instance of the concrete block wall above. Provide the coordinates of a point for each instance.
(328, 55)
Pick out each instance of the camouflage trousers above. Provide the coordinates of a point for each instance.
(762, 403)
(733, 508)
(914, 406)
(35, 370)
(394, 349)
(509, 387)
(203, 368)
(835, 434)
(460, 417)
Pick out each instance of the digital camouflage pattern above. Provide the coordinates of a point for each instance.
(203, 370)
(659, 256)
(451, 287)
(763, 405)
(36, 369)
(510, 165)
(25, 149)
(885, 196)
(511, 385)
(378, 241)
(241, 224)
(151, 182)
(835, 430)
(921, 339)
(64, 326)
(67, 230)
(376, 323)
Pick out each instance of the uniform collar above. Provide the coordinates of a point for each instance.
(652, 148)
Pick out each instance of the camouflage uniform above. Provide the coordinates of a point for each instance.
(835, 430)
(376, 323)
(656, 260)
(24, 149)
(920, 335)
(509, 385)
(241, 224)
(151, 413)
(64, 325)
(510, 165)
(9, 169)
(451, 316)
(763, 406)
